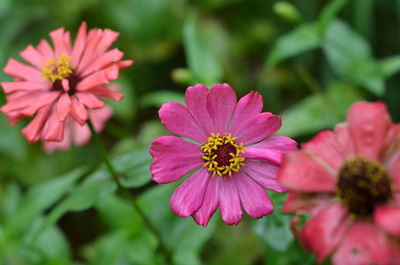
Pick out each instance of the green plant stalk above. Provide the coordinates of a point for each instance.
(127, 194)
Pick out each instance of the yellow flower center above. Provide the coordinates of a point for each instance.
(57, 70)
(221, 154)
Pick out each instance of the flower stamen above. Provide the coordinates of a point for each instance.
(59, 70)
(222, 154)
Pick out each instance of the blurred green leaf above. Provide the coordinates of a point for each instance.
(38, 199)
(303, 38)
(319, 111)
(199, 59)
(287, 11)
(274, 229)
(120, 247)
(350, 57)
(12, 142)
(156, 99)
(391, 65)
(135, 168)
(96, 186)
(328, 14)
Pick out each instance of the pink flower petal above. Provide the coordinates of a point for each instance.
(10, 87)
(325, 146)
(53, 129)
(253, 197)
(269, 155)
(188, 197)
(81, 134)
(93, 80)
(78, 111)
(322, 233)
(301, 173)
(260, 127)
(394, 169)
(33, 130)
(281, 143)
(107, 39)
(345, 140)
(89, 100)
(101, 91)
(22, 71)
(124, 64)
(42, 100)
(57, 36)
(229, 201)
(365, 244)
(99, 117)
(368, 125)
(307, 203)
(221, 102)
(265, 174)
(167, 145)
(45, 49)
(93, 38)
(103, 60)
(32, 56)
(196, 102)
(246, 109)
(177, 119)
(63, 107)
(170, 168)
(387, 217)
(210, 202)
(79, 45)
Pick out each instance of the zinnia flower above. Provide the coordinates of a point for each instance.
(77, 134)
(348, 182)
(231, 148)
(62, 82)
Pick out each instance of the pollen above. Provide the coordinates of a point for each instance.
(222, 155)
(59, 69)
(363, 185)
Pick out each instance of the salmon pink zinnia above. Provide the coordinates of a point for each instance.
(348, 181)
(231, 147)
(62, 82)
(75, 134)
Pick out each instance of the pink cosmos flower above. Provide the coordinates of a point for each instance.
(231, 150)
(348, 181)
(77, 134)
(62, 83)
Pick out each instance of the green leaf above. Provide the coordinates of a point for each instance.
(38, 199)
(95, 187)
(319, 111)
(135, 168)
(350, 57)
(199, 58)
(275, 228)
(302, 39)
(156, 99)
(120, 247)
(328, 14)
(391, 65)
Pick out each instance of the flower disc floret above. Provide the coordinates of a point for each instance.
(363, 185)
(53, 71)
(222, 154)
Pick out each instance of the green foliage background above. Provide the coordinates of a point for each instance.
(309, 59)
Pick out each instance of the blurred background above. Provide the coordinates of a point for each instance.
(309, 59)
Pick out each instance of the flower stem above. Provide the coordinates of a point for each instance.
(127, 194)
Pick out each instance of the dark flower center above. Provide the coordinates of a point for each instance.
(363, 184)
(73, 80)
(223, 154)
